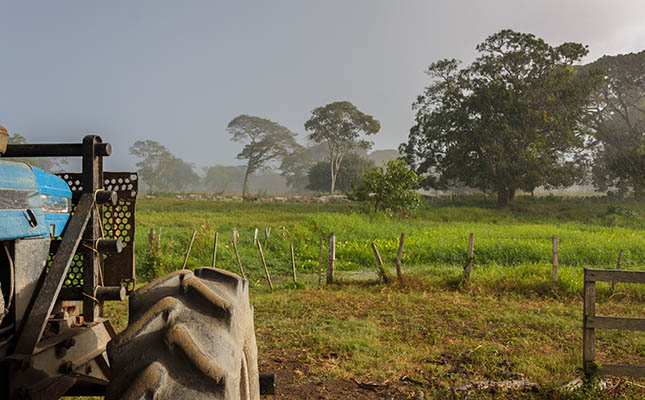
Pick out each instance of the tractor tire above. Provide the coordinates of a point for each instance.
(189, 336)
(2, 310)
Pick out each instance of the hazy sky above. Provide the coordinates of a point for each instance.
(179, 71)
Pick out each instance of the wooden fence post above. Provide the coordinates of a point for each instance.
(237, 253)
(588, 334)
(331, 258)
(555, 261)
(151, 241)
(320, 260)
(267, 233)
(214, 259)
(190, 246)
(159, 239)
(293, 262)
(469, 264)
(264, 263)
(619, 266)
(379, 260)
(399, 254)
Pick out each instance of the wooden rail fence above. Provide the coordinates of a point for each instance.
(591, 322)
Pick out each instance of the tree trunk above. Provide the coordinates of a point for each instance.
(333, 176)
(511, 196)
(639, 189)
(501, 197)
(505, 197)
(246, 180)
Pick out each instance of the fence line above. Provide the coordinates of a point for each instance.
(153, 241)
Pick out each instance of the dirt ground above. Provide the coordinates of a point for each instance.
(294, 381)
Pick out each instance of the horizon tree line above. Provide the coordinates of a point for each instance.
(524, 114)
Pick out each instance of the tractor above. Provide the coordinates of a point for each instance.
(66, 248)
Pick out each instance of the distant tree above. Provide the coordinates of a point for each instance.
(618, 119)
(354, 167)
(265, 142)
(180, 175)
(50, 164)
(220, 178)
(511, 120)
(295, 166)
(153, 162)
(160, 169)
(340, 126)
(17, 138)
(391, 188)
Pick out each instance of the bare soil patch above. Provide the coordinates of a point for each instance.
(296, 381)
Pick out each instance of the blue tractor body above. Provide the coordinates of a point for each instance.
(33, 203)
(66, 247)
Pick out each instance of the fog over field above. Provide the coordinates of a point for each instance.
(177, 73)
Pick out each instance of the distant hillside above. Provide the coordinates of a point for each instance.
(381, 156)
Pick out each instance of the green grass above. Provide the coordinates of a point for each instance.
(591, 232)
(508, 321)
(438, 334)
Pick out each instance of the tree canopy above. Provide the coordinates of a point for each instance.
(264, 141)
(511, 120)
(391, 188)
(340, 125)
(295, 166)
(220, 178)
(160, 169)
(618, 119)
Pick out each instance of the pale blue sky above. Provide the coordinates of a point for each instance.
(179, 71)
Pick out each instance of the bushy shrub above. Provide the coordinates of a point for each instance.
(391, 189)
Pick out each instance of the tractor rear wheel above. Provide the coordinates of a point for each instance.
(190, 336)
(2, 310)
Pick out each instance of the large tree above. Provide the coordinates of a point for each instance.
(160, 169)
(511, 120)
(220, 178)
(181, 175)
(618, 119)
(340, 125)
(265, 141)
(153, 161)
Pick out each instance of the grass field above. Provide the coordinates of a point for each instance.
(361, 338)
(591, 232)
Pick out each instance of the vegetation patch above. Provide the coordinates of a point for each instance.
(436, 235)
(433, 333)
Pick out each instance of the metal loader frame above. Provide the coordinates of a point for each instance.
(53, 351)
